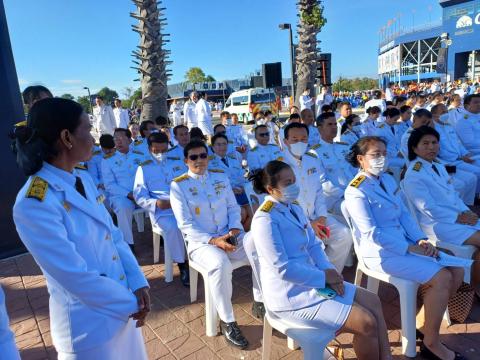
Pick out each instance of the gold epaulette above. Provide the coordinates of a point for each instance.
(417, 166)
(146, 162)
(381, 126)
(296, 202)
(138, 152)
(97, 152)
(108, 156)
(316, 146)
(138, 142)
(311, 154)
(211, 157)
(21, 123)
(255, 148)
(267, 206)
(357, 181)
(280, 158)
(81, 167)
(37, 189)
(216, 171)
(181, 178)
(172, 148)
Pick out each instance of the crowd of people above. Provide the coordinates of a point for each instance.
(286, 189)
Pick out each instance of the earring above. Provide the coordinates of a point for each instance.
(70, 147)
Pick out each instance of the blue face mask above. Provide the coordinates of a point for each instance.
(290, 193)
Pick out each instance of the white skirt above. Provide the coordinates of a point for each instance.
(128, 344)
(455, 234)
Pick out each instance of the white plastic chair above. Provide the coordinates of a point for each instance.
(157, 233)
(462, 251)
(210, 310)
(312, 340)
(253, 197)
(407, 291)
(139, 215)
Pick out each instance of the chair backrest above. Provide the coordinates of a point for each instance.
(354, 231)
(254, 199)
(251, 251)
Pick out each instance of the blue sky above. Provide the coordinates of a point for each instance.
(69, 44)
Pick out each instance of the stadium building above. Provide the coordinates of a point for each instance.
(449, 50)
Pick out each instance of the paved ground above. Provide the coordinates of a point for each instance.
(176, 328)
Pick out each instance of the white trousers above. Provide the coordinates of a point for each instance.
(338, 246)
(128, 344)
(8, 349)
(219, 267)
(172, 236)
(206, 127)
(123, 208)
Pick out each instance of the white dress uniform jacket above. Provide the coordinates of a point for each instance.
(175, 161)
(234, 170)
(176, 111)
(260, 155)
(90, 271)
(313, 136)
(189, 114)
(436, 201)
(349, 138)
(305, 101)
(152, 182)
(121, 117)
(7, 337)
(104, 119)
(94, 165)
(393, 147)
(468, 130)
(308, 174)
(204, 117)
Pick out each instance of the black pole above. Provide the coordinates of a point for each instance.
(11, 112)
(292, 63)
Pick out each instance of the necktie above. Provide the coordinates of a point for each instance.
(224, 160)
(435, 169)
(294, 215)
(383, 186)
(79, 186)
(393, 129)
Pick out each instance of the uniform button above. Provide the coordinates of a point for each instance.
(122, 277)
(114, 257)
(107, 237)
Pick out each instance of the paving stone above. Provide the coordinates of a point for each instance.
(28, 339)
(171, 331)
(156, 349)
(24, 326)
(185, 345)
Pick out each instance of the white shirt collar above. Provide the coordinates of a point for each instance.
(198, 177)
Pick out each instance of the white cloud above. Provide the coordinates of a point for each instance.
(71, 81)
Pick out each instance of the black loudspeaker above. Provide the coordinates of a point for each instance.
(324, 69)
(256, 81)
(272, 75)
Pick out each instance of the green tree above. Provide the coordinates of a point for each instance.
(365, 83)
(196, 75)
(209, 78)
(85, 102)
(68, 96)
(107, 94)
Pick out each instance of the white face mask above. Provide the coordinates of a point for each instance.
(290, 193)
(229, 121)
(444, 117)
(378, 165)
(261, 122)
(298, 149)
(159, 157)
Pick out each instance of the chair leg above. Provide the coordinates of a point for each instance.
(267, 339)
(408, 308)
(193, 283)
(373, 284)
(140, 220)
(210, 311)
(168, 263)
(156, 248)
(358, 276)
(292, 344)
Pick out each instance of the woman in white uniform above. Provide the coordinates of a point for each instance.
(390, 240)
(440, 209)
(98, 293)
(350, 130)
(294, 269)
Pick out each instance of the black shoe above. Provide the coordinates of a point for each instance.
(184, 274)
(132, 247)
(427, 354)
(258, 309)
(232, 333)
(419, 335)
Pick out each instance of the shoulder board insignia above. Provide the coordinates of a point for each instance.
(172, 148)
(97, 152)
(381, 126)
(417, 166)
(316, 146)
(108, 156)
(181, 178)
(342, 143)
(138, 142)
(267, 206)
(81, 167)
(211, 157)
(254, 148)
(146, 162)
(296, 202)
(340, 120)
(37, 189)
(280, 158)
(357, 181)
(216, 171)
(312, 155)
(138, 152)
(465, 116)
(173, 158)
(21, 123)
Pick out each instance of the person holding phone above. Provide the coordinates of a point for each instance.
(310, 173)
(391, 241)
(298, 281)
(208, 215)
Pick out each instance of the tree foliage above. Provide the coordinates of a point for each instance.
(108, 94)
(84, 101)
(344, 84)
(196, 75)
(314, 17)
(67, 96)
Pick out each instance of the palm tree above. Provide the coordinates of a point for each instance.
(151, 58)
(311, 21)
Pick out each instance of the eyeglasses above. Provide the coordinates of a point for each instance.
(377, 155)
(195, 157)
(264, 134)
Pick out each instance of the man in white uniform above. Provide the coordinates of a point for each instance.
(308, 172)
(151, 191)
(309, 121)
(104, 118)
(264, 152)
(305, 100)
(189, 113)
(204, 115)
(324, 98)
(209, 217)
(468, 124)
(376, 101)
(121, 115)
(118, 171)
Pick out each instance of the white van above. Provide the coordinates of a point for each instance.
(247, 102)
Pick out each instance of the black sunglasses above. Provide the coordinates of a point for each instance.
(264, 134)
(195, 157)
